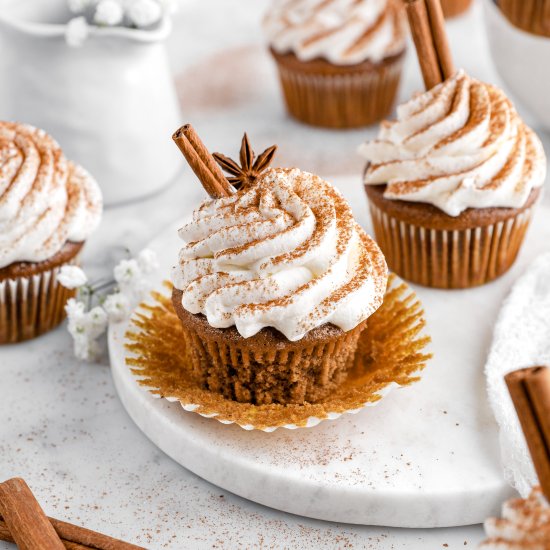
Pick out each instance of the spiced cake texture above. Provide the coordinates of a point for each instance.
(267, 368)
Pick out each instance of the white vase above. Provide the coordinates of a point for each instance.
(110, 103)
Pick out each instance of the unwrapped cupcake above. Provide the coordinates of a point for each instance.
(48, 207)
(452, 184)
(273, 288)
(525, 524)
(339, 61)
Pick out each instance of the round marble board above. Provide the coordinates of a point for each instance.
(426, 456)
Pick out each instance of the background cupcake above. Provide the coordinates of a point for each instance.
(452, 8)
(532, 16)
(339, 61)
(48, 207)
(451, 184)
(274, 288)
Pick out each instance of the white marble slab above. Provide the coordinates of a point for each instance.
(426, 456)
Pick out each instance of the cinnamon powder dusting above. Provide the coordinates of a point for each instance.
(391, 350)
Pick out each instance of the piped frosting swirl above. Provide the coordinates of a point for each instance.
(284, 253)
(45, 200)
(344, 32)
(525, 525)
(459, 145)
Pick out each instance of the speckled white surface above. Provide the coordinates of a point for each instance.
(63, 427)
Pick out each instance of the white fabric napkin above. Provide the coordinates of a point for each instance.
(521, 339)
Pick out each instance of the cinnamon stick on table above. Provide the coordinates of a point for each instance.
(25, 519)
(430, 39)
(202, 162)
(530, 392)
(22, 521)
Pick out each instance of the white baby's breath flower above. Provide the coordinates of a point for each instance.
(108, 12)
(73, 308)
(143, 13)
(86, 348)
(78, 6)
(148, 261)
(96, 321)
(71, 276)
(117, 307)
(126, 272)
(76, 31)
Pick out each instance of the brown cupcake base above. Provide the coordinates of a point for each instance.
(338, 96)
(426, 246)
(452, 8)
(32, 302)
(532, 16)
(266, 368)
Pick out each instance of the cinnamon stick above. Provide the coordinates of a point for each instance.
(440, 40)
(423, 39)
(530, 392)
(202, 162)
(5, 535)
(25, 519)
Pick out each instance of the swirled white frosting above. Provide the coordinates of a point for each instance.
(284, 253)
(525, 524)
(343, 32)
(459, 145)
(45, 200)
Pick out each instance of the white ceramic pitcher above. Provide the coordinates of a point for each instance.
(110, 103)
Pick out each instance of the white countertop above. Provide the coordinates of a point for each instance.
(64, 429)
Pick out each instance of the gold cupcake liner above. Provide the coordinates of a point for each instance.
(449, 258)
(390, 353)
(452, 8)
(532, 16)
(342, 99)
(31, 306)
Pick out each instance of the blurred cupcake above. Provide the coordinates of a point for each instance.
(532, 16)
(339, 61)
(274, 287)
(48, 207)
(452, 8)
(525, 524)
(452, 184)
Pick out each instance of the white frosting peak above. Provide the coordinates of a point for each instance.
(459, 145)
(344, 32)
(45, 200)
(284, 253)
(525, 525)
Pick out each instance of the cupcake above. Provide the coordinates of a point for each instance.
(452, 184)
(452, 8)
(525, 524)
(273, 288)
(339, 62)
(532, 16)
(48, 207)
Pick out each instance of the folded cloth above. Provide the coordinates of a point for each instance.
(521, 339)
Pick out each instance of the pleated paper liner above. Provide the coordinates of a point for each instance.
(391, 353)
(532, 16)
(321, 94)
(34, 304)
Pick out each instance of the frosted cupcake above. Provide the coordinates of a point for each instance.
(274, 286)
(452, 184)
(339, 61)
(525, 524)
(48, 207)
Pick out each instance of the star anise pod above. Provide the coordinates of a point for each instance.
(249, 170)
